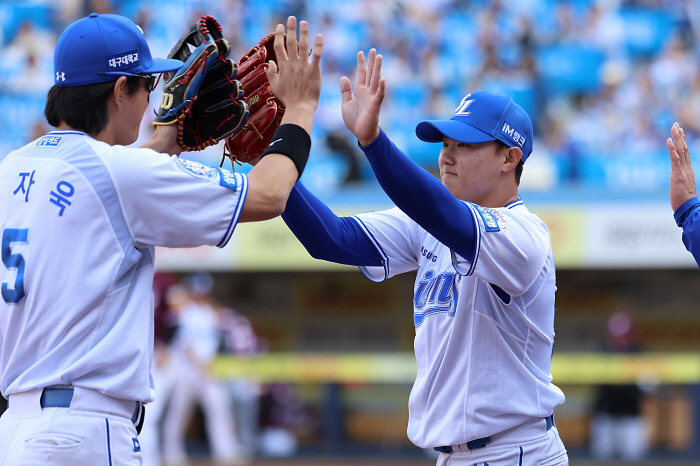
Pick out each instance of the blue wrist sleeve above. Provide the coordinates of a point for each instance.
(686, 210)
(325, 235)
(422, 197)
(688, 217)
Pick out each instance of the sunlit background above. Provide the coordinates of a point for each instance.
(330, 367)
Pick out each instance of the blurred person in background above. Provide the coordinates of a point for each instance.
(168, 296)
(195, 344)
(283, 419)
(617, 427)
(240, 340)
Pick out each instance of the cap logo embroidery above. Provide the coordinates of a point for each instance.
(123, 60)
(60, 76)
(512, 133)
(462, 109)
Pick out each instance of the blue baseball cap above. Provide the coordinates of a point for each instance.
(482, 117)
(101, 48)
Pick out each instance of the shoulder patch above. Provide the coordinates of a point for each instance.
(489, 217)
(49, 141)
(196, 168)
(500, 218)
(228, 179)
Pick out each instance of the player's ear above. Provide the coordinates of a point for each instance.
(512, 158)
(119, 91)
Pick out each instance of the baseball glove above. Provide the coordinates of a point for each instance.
(202, 97)
(266, 110)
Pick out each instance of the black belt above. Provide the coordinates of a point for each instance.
(481, 442)
(60, 397)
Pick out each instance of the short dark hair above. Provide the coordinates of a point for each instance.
(83, 107)
(521, 164)
(519, 171)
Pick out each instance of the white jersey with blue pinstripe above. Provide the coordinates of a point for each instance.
(79, 221)
(484, 329)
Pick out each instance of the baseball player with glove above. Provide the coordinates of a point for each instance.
(80, 215)
(483, 307)
(684, 199)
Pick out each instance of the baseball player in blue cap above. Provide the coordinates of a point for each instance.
(684, 199)
(80, 216)
(483, 306)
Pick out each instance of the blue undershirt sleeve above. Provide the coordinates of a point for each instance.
(688, 217)
(325, 235)
(422, 197)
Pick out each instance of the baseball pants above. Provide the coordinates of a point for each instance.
(192, 386)
(528, 444)
(94, 429)
(623, 436)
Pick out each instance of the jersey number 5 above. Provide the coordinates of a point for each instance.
(14, 261)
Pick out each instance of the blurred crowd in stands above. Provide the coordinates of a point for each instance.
(603, 80)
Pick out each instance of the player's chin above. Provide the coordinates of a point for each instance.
(447, 178)
(451, 182)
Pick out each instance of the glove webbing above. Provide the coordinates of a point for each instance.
(245, 127)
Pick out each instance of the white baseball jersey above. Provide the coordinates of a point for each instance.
(483, 361)
(79, 221)
(198, 332)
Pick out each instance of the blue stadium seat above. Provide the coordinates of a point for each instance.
(408, 98)
(647, 171)
(459, 36)
(20, 114)
(569, 69)
(13, 14)
(324, 172)
(522, 90)
(646, 31)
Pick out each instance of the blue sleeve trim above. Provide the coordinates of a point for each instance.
(237, 211)
(325, 235)
(423, 197)
(477, 245)
(686, 210)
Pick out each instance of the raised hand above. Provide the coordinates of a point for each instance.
(361, 110)
(682, 174)
(294, 79)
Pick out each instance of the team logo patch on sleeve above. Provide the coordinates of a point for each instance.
(196, 168)
(49, 141)
(487, 215)
(228, 179)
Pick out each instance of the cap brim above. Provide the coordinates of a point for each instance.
(161, 65)
(435, 130)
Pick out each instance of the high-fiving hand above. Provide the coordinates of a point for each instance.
(682, 174)
(294, 79)
(361, 109)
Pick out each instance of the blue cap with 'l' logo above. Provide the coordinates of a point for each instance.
(482, 117)
(101, 48)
